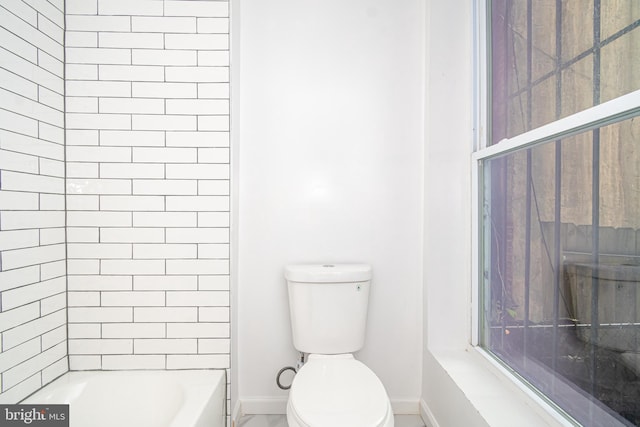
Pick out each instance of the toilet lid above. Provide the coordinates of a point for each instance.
(338, 391)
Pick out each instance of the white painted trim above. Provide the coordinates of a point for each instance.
(613, 111)
(236, 414)
(427, 416)
(264, 405)
(495, 397)
(278, 405)
(480, 103)
(234, 129)
(405, 406)
(480, 61)
(476, 288)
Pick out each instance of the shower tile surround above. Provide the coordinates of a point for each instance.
(33, 334)
(147, 188)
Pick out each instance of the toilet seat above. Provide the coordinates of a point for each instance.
(337, 391)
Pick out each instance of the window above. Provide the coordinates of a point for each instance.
(559, 203)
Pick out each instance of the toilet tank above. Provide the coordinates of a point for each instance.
(328, 305)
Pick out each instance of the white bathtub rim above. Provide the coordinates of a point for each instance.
(203, 392)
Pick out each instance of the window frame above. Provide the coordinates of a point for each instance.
(616, 110)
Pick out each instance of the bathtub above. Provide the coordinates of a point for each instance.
(189, 398)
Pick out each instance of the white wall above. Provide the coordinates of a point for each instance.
(447, 220)
(330, 170)
(448, 145)
(33, 335)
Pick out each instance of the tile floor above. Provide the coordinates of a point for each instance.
(281, 421)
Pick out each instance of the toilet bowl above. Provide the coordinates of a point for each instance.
(337, 391)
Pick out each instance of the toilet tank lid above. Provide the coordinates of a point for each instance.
(327, 273)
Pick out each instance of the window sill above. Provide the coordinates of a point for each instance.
(495, 398)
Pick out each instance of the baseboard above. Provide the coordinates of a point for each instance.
(278, 405)
(236, 414)
(264, 405)
(405, 406)
(427, 415)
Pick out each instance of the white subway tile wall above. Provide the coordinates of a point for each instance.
(147, 124)
(142, 103)
(33, 333)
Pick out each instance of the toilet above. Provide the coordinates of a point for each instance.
(328, 306)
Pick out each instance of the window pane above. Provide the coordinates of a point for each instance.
(562, 270)
(554, 58)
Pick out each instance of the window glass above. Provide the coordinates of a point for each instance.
(553, 58)
(562, 270)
